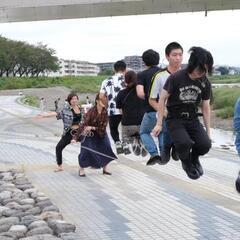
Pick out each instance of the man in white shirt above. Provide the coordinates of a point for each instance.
(111, 87)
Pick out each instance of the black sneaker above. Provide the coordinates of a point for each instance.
(154, 160)
(165, 155)
(137, 149)
(196, 163)
(119, 147)
(174, 153)
(126, 150)
(144, 152)
(191, 171)
(237, 183)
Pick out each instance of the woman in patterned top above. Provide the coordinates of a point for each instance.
(71, 117)
(96, 150)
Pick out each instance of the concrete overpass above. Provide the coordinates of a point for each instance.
(35, 10)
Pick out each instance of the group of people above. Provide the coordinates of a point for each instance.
(162, 103)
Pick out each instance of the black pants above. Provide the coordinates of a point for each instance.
(189, 138)
(114, 122)
(64, 141)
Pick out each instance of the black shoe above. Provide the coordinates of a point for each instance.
(106, 173)
(174, 153)
(119, 147)
(144, 152)
(165, 155)
(137, 149)
(237, 183)
(196, 163)
(154, 160)
(126, 150)
(191, 171)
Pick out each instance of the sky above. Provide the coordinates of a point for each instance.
(109, 39)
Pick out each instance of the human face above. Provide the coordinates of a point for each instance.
(198, 73)
(74, 101)
(175, 58)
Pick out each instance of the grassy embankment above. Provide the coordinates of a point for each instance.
(83, 84)
(223, 103)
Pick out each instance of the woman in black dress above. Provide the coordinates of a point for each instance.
(96, 149)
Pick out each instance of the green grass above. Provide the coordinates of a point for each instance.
(224, 100)
(225, 79)
(84, 84)
(30, 100)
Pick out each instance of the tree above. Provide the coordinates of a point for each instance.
(223, 70)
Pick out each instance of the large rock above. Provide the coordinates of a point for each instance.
(50, 208)
(34, 211)
(59, 226)
(39, 230)
(27, 220)
(36, 224)
(4, 228)
(5, 195)
(51, 216)
(43, 204)
(27, 201)
(30, 190)
(26, 207)
(24, 186)
(18, 230)
(2, 209)
(13, 205)
(12, 213)
(39, 199)
(41, 237)
(70, 236)
(20, 195)
(10, 220)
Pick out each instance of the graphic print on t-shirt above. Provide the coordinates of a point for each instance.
(189, 94)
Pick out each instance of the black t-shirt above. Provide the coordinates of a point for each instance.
(76, 118)
(184, 91)
(145, 78)
(132, 106)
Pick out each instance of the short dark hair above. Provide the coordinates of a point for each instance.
(130, 79)
(150, 58)
(172, 46)
(199, 58)
(120, 66)
(70, 96)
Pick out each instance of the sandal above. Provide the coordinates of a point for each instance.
(58, 170)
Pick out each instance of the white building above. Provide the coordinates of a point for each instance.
(135, 63)
(75, 68)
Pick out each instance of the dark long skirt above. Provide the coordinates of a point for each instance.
(95, 152)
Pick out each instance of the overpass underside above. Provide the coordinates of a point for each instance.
(36, 10)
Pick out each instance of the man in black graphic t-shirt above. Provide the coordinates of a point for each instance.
(184, 91)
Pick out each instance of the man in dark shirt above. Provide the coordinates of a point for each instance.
(183, 91)
(151, 60)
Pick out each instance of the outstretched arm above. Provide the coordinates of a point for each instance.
(47, 115)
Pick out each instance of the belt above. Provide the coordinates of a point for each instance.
(183, 115)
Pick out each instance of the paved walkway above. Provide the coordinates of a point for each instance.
(136, 202)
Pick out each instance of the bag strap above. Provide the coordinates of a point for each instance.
(124, 100)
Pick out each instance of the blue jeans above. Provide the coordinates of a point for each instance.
(148, 123)
(236, 124)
